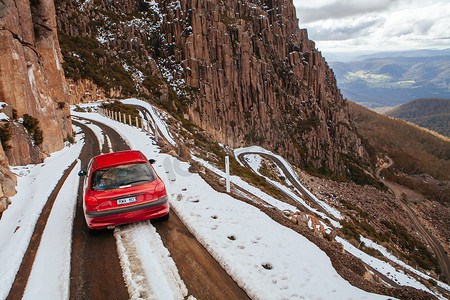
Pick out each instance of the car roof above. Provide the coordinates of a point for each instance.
(118, 158)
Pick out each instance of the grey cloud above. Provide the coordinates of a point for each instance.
(343, 9)
(343, 32)
(423, 27)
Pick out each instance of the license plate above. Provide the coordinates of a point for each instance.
(126, 200)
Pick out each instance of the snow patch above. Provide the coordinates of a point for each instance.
(149, 271)
(34, 185)
(53, 255)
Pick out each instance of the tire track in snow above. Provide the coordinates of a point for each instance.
(18, 287)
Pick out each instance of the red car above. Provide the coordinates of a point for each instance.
(122, 187)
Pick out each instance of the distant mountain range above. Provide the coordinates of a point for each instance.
(431, 113)
(391, 79)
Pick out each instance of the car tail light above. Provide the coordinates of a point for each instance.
(90, 200)
(160, 190)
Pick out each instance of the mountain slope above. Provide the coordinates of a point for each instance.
(391, 81)
(431, 113)
(414, 150)
(242, 71)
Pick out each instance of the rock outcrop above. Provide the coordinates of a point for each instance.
(31, 77)
(243, 71)
(31, 83)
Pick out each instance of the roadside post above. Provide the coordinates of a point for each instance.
(227, 171)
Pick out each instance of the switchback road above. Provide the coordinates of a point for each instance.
(400, 192)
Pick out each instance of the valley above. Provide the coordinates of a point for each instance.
(384, 82)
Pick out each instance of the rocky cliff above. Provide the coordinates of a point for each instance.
(31, 81)
(242, 70)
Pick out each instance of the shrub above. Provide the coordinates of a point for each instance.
(5, 136)
(350, 230)
(32, 126)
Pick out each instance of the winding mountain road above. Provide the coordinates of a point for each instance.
(95, 269)
(95, 266)
(287, 174)
(400, 192)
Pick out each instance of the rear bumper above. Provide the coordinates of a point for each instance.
(129, 214)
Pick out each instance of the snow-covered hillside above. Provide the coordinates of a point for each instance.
(268, 260)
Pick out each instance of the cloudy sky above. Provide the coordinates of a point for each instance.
(375, 25)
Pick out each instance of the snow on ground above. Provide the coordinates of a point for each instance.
(385, 268)
(249, 158)
(4, 117)
(256, 149)
(149, 271)
(18, 221)
(53, 255)
(155, 116)
(97, 131)
(393, 258)
(268, 260)
(180, 182)
(254, 161)
(251, 189)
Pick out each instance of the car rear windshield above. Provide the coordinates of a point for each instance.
(122, 176)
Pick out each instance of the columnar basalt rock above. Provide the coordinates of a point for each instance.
(254, 76)
(263, 81)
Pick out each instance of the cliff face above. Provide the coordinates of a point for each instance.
(242, 70)
(31, 76)
(31, 82)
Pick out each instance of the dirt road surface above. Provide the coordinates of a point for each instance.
(96, 272)
(95, 267)
(400, 192)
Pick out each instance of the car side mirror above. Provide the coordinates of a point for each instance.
(81, 173)
(152, 161)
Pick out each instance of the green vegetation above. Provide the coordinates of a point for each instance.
(71, 139)
(32, 126)
(79, 109)
(81, 60)
(5, 136)
(176, 106)
(228, 21)
(350, 230)
(355, 173)
(308, 124)
(358, 223)
(358, 175)
(350, 206)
